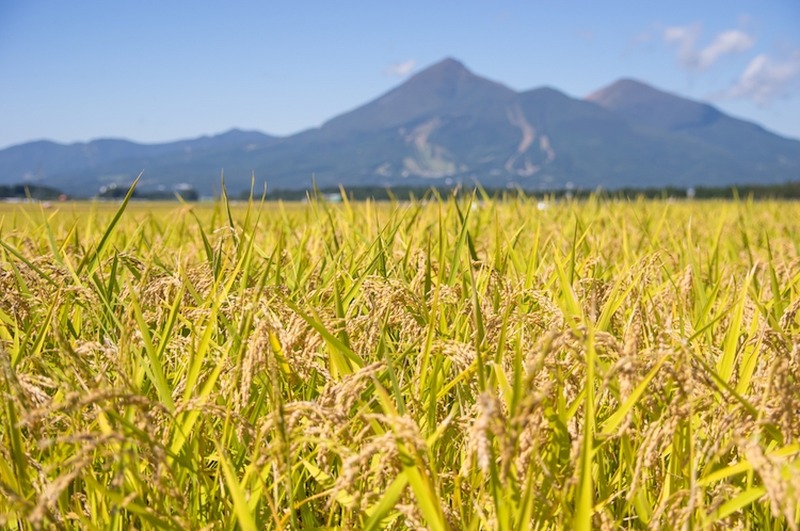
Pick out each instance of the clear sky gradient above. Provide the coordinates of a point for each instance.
(153, 71)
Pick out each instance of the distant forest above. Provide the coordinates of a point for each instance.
(29, 191)
(790, 190)
(48, 193)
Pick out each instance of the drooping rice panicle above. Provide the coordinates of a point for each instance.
(446, 363)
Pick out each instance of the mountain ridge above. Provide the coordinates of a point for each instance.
(446, 124)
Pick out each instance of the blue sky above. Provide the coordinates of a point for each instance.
(153, 71)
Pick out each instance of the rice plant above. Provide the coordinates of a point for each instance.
(447, 363)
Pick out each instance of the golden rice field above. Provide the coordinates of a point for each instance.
(456, 363)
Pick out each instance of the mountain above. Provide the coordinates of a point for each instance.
(745, 142)
(81, 168)
(445, 88)
(647, 105)
(444, 125)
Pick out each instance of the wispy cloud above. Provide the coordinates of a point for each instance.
(401, 69)
(645, 37)
(644, 40)
(766, 79)
(727, 42)
(684, 39)
(692, 57)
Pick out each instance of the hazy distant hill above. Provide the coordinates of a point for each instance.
(83, 167)
(443, 125)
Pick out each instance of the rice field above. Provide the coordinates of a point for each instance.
(454, 363)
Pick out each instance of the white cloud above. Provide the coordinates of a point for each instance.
(693, 58)
(683, 35)
(401, 69)
(727, 42)
(765, 79)
(684, 38)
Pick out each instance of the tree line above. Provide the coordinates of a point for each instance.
(789, 190)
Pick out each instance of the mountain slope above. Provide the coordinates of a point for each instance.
(444, 88)
(644, 104)
(747, 143)
(74, 166)
(445, 125)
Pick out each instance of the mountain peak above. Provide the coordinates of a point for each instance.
(450, 64)
(650, 106)
(446, 86)
(627, 91)
(448, 70)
